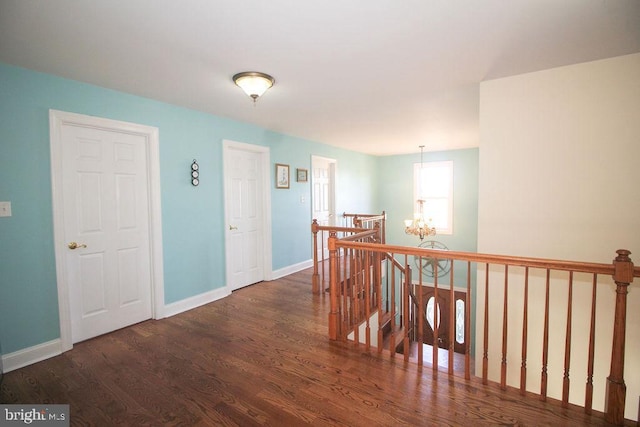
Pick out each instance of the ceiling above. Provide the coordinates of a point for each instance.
(375, 76)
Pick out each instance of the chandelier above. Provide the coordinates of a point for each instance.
(418, 226)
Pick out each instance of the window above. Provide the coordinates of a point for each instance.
(433, 183)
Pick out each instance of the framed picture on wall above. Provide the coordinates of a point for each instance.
(301, 175)
(282, 176)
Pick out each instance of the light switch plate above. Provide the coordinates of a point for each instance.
(5, 209)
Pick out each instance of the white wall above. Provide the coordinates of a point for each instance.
(560, 178)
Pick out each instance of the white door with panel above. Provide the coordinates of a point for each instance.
(106, 229)
(244, 202)
(322, 181)
(323, 195)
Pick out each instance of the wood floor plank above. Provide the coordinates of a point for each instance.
(261, 356)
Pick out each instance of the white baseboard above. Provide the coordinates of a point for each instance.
(291, 269)
(195, 301)
(28, 356)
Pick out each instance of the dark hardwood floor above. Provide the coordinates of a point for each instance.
(260, 357)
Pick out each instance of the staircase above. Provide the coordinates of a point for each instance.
(506, 289)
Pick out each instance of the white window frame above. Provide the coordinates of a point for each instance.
(419, 191)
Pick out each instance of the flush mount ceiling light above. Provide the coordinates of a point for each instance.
(253, 83)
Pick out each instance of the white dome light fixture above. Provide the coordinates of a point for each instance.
(253, 83)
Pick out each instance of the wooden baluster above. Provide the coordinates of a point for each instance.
(616, 388)
(525, 329)
(436, 324)
(545, 342)
(375, 284)
(353, 289)
(365, 291)
(485, 350)
(418, 314)
(367, 298)
(406, 299)
(567, 346)
(324, 237)
(377, 280)
(356, 292)
(452, 319)
(505, 305)
(392, 291)
(383, 227)
(355, 300)
(409, 279)
(361, 295)
(588, 399)
(467, 326)
(315, 278)
(333, 289)
(344, 282)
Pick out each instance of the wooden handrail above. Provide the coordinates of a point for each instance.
(358, 215)
(330, 228)
(367, 221)
(542, 263)
(360, 235)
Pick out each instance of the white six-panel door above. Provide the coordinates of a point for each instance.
(247, 221)
(106, 204)
(322, 181)
(323, 196)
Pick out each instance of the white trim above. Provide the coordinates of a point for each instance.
(155, 226)
(265, 158)
(195, 301)
(57, 119)
(30, 355)
(442, 287)
(292, 269)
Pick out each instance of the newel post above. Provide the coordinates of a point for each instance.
(333, 286)
(616, 388)
(315, 278)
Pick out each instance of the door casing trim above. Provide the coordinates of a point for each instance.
(58, 119)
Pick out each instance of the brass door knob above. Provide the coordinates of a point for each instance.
(74, 245)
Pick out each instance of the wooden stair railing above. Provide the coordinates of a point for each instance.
(367, 221)
(321, 234)
(490, 288)
(359, 296)
(351, 224)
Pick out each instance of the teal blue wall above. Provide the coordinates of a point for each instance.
(193, 218)
(395, 193)
(355, 190)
